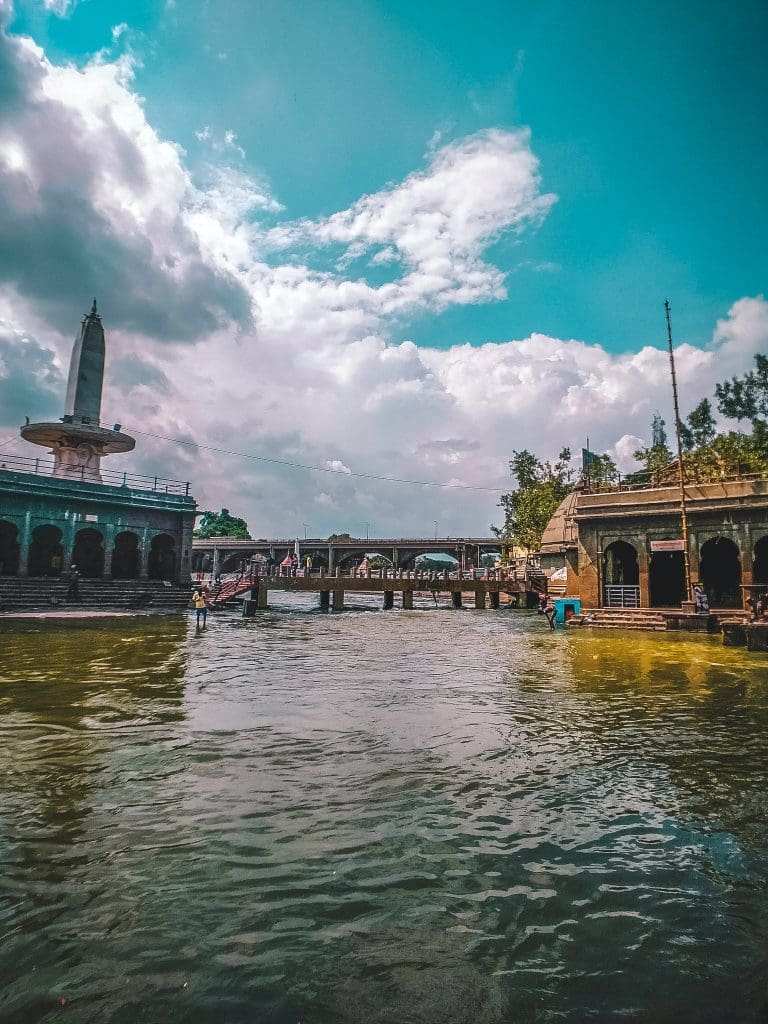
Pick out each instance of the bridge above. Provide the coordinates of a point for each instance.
(254, 583)
(225, 554)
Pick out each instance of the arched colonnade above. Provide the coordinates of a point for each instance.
(720, 568)
(123, 554)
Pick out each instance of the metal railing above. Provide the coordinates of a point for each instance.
(621, 597)
(110, 478)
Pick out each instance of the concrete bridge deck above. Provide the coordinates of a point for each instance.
(331, 589)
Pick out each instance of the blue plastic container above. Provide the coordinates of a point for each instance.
(566, 608)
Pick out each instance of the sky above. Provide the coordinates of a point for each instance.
(374, 239)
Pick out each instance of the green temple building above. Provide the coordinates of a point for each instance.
(65, 510)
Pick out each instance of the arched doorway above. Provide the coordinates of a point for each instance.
(621, 575)
(666, 579)
(720, 570)
(45, 551)
(125, 556)
(9, 548)
(760, 564)
(88, 553)
(162, 557)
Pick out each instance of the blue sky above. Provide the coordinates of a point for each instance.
(392, 238)
(648, 121)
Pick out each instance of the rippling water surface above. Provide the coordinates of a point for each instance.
(426, 816)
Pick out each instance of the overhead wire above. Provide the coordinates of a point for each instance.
(311, 469)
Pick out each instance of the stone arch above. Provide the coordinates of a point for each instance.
(9, 548)
(125, 556)
(760, 563)
(620, 566)
(666, 579)
(349, 559)
(45, 551)
(720, 571)
(88, 553)
(162, 557)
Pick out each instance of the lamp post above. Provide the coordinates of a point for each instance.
(305, 530)
(435, 522)
(367, 527)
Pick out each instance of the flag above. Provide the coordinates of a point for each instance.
(588, 459)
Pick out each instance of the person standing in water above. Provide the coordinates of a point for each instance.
(201, 608)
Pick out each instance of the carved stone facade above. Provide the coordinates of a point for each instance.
(625, 547)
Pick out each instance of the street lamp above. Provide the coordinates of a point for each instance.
(367, 527)
(435, 521)
(305, 530)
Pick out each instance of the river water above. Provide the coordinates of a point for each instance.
(429, 816)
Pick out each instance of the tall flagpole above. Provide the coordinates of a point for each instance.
(681, 471)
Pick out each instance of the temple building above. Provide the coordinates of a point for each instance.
(624, 549)
(69, 510)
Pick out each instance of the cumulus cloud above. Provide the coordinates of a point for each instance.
(287, 355)
(91, 199)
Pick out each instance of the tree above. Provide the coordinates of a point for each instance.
(339, 538)
(541, 486)
(699, 428)
(745, 398)
(221, 524)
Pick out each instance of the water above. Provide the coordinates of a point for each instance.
(432, 816)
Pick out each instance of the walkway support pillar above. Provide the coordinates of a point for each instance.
(389, 599)
(338, 600)
(480, 597)
(261, 594)
(495, 601)
(325, 600)
(456, 598)
(408, 600)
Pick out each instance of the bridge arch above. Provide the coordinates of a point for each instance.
(760, 563)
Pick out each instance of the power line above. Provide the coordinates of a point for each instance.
(311, 469)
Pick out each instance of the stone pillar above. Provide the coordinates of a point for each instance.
(456, 598)
(261, 594)
(643, 559)
(480, 597)
(325, 600)
(25, 539)
(108, 533)
(747, 560)
(184, 570)
(216, 560)
(495, 601)
(395, 559)
(389, 599)
(146, 542)
(68, 541)
(408, 600)
(330, 560)
(338, 600)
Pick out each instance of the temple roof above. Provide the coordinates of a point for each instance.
(561, 531)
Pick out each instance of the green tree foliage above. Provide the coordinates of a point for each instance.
(221, 524)
(339, 538)
(541, 486)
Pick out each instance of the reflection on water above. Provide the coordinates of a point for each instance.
(428, 816)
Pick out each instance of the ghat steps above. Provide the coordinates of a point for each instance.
(624, 618)
(19, 593)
